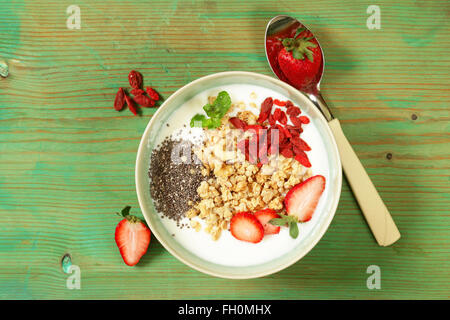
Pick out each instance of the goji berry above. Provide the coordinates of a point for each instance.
(255, 127)
(304, 119)
(144, 101)
(283, 119)
(287, 153)
(303, 159)
(131, 105)
(119, 101)
(296, 121)
(299, 142)
(271, 120)
(279, 103)
(293, 111)
(135, 79)
(266, 109)
(152, 93)
(238, 123)
(137, 92)
(289, 103)
(277, 114)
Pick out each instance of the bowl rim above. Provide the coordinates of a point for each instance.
(154, 230)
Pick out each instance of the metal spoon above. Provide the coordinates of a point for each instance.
(375, 212)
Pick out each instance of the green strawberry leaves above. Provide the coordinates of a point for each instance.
(299, 46)
(214, 111)
(125, 212)
(290, 221)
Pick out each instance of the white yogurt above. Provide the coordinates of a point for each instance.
(228, 250)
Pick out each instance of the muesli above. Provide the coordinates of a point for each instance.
(249, 174)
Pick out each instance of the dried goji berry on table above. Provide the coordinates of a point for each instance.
(131, 105)
(137, 92)
(266, 109)
(119, 101)
(135, 79)
(289, 103)
(144, 101)
(152, 93)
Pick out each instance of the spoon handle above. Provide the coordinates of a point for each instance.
(377, 215)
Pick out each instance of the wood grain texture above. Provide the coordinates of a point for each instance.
(67, 158)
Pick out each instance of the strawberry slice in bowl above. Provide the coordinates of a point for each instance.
(302, 199)
(264, 216)
(245, 226)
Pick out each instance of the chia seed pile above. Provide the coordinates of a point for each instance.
(174, 180)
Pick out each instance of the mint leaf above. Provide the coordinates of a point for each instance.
(289, 220)
(293, 229)
(214, 111)
(280, 222)
(197, 120)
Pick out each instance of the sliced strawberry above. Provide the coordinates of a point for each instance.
(264, 216)
(244, 226)
(302, 199)
(132, 237)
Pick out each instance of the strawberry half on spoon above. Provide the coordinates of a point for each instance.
(132, 237)
(301, 59)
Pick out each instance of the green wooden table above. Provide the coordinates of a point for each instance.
(67, 158)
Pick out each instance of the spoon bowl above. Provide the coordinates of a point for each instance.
(286, 26)
(297, 42)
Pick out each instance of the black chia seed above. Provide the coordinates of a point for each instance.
(173, 184)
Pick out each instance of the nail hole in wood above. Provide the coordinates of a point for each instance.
(66, 262)
(389, 156)
(414, 116)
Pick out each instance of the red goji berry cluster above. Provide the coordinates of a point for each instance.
(263, 142)
(135, 80)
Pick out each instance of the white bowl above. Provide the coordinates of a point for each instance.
(324, 212)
